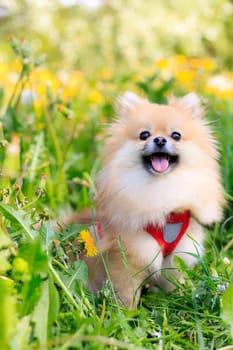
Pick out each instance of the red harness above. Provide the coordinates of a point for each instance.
(170, 235)
(167, 236)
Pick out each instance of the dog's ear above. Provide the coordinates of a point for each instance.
(190, 102)
(127, 101)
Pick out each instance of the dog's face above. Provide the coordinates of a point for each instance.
(160, 138)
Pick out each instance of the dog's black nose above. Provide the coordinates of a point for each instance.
(160, 141)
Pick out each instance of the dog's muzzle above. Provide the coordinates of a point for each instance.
(159, 155)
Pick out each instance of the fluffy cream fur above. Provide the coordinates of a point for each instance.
(129, 197)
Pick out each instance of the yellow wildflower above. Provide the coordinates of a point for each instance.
(180, 60)
(96, 97)
(16, 65)
(89, 244)
(208, 64)
(186, 76)
(72, 85)
(162, 63)
(41, 79)
(205, 63)
(3, 70)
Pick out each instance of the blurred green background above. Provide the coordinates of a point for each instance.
(90, 34)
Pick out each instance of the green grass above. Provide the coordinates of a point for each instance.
(43, 301)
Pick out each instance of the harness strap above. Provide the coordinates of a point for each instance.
(171, 233)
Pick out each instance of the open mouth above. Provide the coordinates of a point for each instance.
(160, 162)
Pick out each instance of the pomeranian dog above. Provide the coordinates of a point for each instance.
(160, 181)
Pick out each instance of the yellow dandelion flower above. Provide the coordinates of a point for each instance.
(208, 64)
(16, 65)
(162, 63)
(180, 60)
(186, 76)
(96, 97)
(3, 70)
(41, 79)
(205, 63)
(89, 244)
(195, 63)
(72, 85)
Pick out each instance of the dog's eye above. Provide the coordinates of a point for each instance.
(176, 136)
(144, 135)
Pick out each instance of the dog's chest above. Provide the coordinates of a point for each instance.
(169, 235)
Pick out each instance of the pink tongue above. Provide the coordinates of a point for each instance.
(160, 164)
